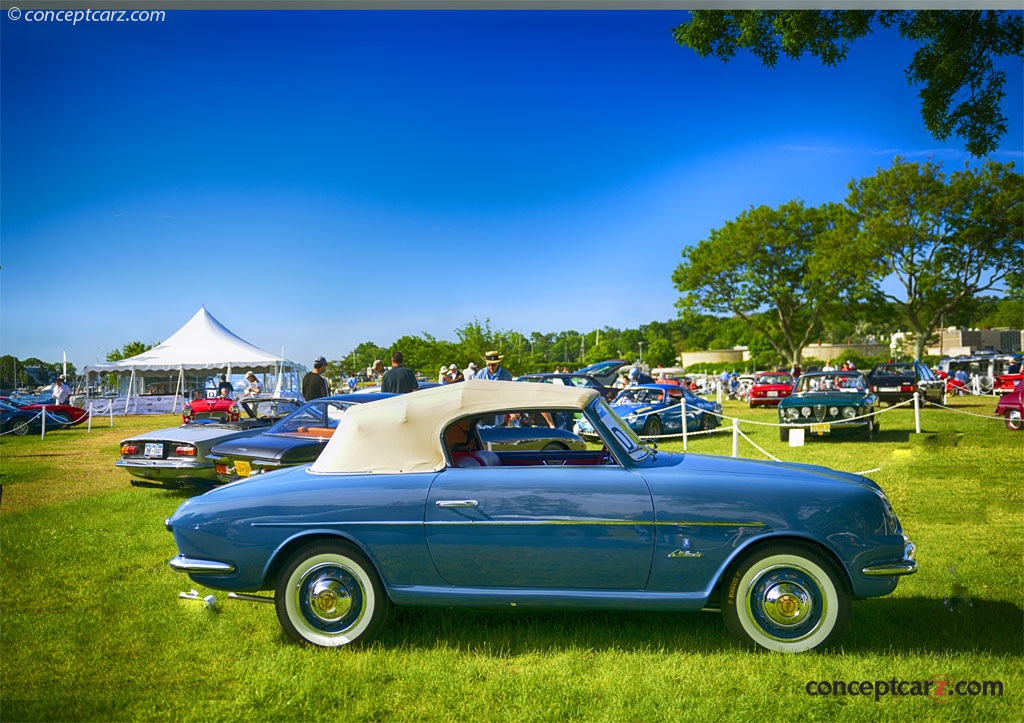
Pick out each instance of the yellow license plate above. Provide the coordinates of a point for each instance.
(242, 468)
(821, 428)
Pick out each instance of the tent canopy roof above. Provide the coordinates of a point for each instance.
(202, 344)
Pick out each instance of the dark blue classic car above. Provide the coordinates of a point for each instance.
(300, 437)
(826, 402)
(19, 421)
(406, 506)
(652, 410)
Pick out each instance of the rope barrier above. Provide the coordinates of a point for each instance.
(916, 401)
(26, 423)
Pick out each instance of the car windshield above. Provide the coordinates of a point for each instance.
(273, 408)
(318, 416)
(640, 395)
(830, 382)
(774, 379)
(893, 370)
(620, 431)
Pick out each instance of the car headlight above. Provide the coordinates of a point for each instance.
(806, 411)
(833, 411)
(849, 412)
(792, 413)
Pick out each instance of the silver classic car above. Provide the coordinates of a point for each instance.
(177, 456)
(407, 507)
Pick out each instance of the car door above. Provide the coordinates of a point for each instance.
(568, 527)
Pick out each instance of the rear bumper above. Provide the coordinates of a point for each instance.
(164, 470)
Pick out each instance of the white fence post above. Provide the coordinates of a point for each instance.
(43, 434)
(735, 437)
(685, 424)
(89, 415)
(917, 412)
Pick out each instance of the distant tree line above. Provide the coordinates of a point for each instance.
(13, 374)
(663, 341)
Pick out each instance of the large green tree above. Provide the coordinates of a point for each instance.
(129, 350)
(780, 270)
(961, 90)
(942, 239)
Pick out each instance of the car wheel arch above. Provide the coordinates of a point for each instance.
(754, 545)
(288, 548)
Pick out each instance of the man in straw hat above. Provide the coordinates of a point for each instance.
(494, 370)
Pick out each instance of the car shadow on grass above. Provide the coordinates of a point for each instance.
(911, 625)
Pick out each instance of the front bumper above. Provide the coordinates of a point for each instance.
(906, 566)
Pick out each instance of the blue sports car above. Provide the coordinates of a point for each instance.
(406, 506)
(653, 410)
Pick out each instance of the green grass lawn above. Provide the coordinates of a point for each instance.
(91, 626)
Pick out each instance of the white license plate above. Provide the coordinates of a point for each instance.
(773, 394)
(243, 468)
(154, 450)
(888, 389)
(821, 428)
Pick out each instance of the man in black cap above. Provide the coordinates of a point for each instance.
(399, 379)
(314, 384)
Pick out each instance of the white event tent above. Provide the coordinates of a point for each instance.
(202, 347)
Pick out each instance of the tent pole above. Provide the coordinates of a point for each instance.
(179, 389)
(131, 383)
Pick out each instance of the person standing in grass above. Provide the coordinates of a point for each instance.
(399, 379)
(314, 384)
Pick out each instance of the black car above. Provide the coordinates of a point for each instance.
(297, 439)
(896, 382)
(572, 379)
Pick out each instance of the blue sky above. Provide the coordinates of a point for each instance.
(318, 179)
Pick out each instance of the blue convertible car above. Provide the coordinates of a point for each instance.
(652, 410)
(405, 506)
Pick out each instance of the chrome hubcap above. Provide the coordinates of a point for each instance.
(787, 603)
(329, 599)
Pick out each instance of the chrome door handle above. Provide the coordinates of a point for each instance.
(444, 504)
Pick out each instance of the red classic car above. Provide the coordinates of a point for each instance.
(769, 388)
(1011, 406)
(1006, 383)
(217, 409)
(73, 415)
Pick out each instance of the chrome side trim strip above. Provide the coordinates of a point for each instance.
(443, 523)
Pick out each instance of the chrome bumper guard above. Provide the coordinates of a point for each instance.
(906, 566)
(180, 563)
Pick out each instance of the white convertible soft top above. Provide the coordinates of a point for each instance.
(403, 433)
